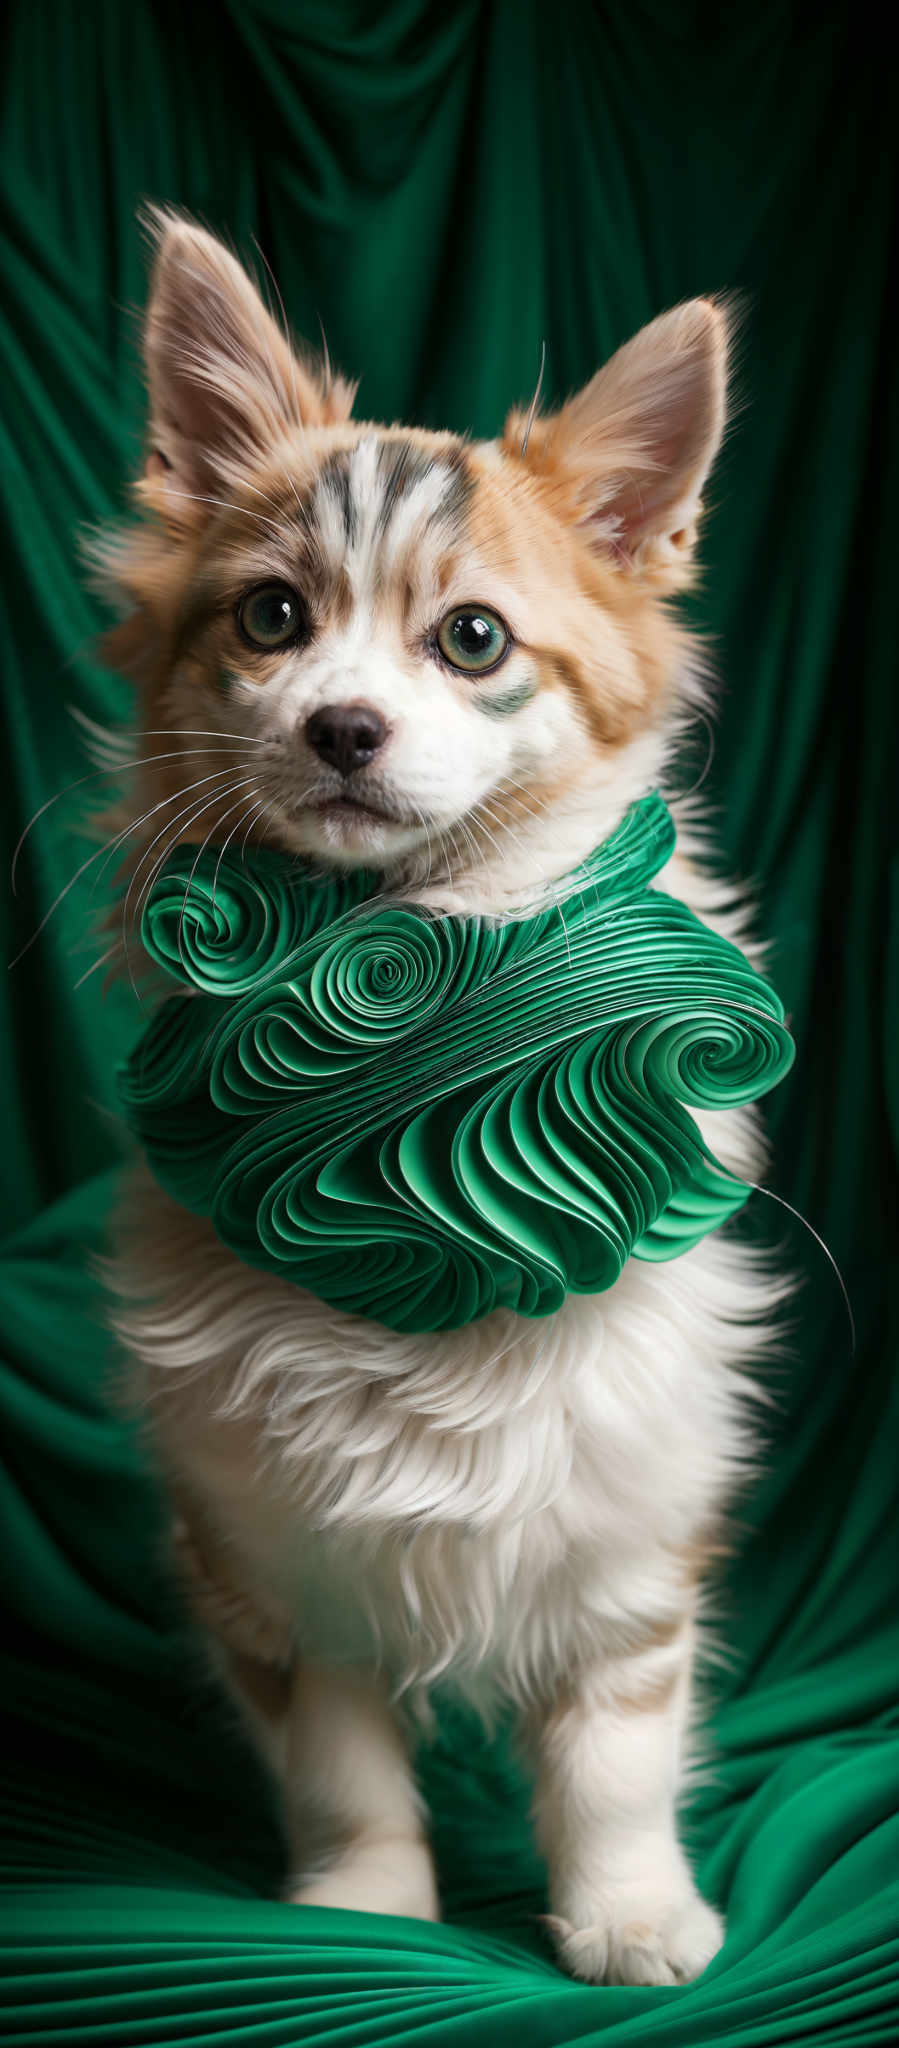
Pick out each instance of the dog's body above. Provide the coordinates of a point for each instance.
(521, 1509)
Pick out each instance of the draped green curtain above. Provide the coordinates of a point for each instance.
(446, 188)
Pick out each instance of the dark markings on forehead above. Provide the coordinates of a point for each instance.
(335, 475)
(461, 487)
(401, 465)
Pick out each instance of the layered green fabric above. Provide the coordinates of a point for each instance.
(422, 1119)
(447, 189)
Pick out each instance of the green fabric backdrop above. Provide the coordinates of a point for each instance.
(446, 188)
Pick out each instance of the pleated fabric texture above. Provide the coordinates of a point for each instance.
(422, 1119)
(448, 189)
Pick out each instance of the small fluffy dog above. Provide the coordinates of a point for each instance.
(454, 662)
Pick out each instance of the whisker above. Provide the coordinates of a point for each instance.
(221, 774)
(169, 732)
(478, 815)
(451, 846)
(550, 888)
(504, 826)
(264, 495)
(564, 926)
(95, 964)
(828, 1254)
(326, 354)
(510, 781)
(167, 828)
(196, 811)
(419, 815)
(120, 768)
(293, 369)
(223, 850)
(203, 844)
(227, 505)
(500, 796)
(505, 805)
(55, 905)
(684, 794)
(427, 833)
(70, 884)
(450, 853)
(503, 820)
(288, 479)
(472, 842)
(264, 805)
(532, 414)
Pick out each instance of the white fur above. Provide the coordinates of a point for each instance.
(506, 1508)
(495, 1503)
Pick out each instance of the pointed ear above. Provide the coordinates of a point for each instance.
(627, 459)
(223, 379)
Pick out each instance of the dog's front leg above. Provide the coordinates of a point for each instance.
(354, 1817)
(624, 1907)
(346, 1755)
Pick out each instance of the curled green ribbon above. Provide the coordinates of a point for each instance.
(424, 1118)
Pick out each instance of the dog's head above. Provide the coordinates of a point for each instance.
(385, 645)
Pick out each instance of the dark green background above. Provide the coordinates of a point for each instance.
(446, 188)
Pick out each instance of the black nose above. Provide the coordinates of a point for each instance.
(346, 735)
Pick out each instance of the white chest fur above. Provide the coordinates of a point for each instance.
(490, 1503)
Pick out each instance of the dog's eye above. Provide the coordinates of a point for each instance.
(473, 638)
(272, 615)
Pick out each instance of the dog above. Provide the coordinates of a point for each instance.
(456, 662)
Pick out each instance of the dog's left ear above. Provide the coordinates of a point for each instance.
(627, 459)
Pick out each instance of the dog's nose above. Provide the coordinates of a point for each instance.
(347, 736)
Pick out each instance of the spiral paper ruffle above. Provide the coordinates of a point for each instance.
(421, 1119)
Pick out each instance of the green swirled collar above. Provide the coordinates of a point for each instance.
(424, 1118)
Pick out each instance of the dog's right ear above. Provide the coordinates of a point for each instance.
(224, 382)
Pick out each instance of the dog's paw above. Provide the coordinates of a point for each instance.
(658, 1943)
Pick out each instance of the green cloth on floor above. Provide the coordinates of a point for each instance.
(448, 188)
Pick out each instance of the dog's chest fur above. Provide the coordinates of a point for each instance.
(492, 1504)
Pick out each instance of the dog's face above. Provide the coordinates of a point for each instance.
(384, 645)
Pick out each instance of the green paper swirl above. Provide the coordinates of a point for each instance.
(421, 1119)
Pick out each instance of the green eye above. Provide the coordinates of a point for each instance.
(473, 638)
(272, 615)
